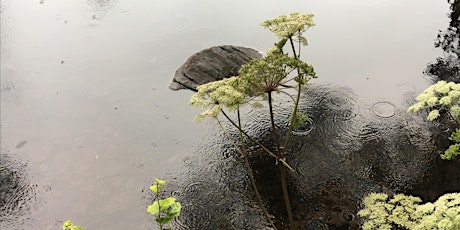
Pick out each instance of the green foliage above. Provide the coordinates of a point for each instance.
(164, 209)
(68, 225)
(453, 150)
(406, 211)
(442, 96)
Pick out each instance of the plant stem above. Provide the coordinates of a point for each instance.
(258, 143)
(272, 120)
(296, 104)
(251, 174)
(157, 195)
(287, 202)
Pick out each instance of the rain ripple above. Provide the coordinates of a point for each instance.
(17, 195)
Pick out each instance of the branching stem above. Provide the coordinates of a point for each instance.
(258, 143)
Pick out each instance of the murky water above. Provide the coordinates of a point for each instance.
(87, 119)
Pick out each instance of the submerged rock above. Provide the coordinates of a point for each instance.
(212, 64)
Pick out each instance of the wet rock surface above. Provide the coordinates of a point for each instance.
(212, 64)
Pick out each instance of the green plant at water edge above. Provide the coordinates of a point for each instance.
(258, 81)
(164, 209)
(68, 225)
(408, 212)
(442, 96)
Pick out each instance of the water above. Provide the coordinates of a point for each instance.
(87, 119)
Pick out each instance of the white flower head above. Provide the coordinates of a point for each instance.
(433, 115)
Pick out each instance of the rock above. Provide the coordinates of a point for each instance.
(212, 64)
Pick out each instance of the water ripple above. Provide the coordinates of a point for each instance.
(17, 195)
(384, 109)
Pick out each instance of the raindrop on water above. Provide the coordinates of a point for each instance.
(384, 109)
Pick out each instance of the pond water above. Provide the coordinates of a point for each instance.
(88, 121)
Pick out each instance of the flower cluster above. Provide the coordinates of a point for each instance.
(226, 92)
(286, 26)
(440, 95)
(406, 211)
(255, 79)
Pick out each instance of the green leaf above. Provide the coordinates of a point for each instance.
(166, 203)
(153, 209)
(156, 188)
(68, 225)
(160, 182)
(164, 220)
(175, 209)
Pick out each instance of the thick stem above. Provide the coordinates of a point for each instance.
(272, 120)
(287, 202)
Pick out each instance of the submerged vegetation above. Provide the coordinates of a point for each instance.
(257, 82)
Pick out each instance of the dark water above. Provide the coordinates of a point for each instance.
(87, 120)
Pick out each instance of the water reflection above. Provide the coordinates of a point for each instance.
(442, 176)
(448, 67)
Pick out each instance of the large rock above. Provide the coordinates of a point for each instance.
(212, 64)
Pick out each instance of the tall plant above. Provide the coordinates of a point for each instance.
(261, 80)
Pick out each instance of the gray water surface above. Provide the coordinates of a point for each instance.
(88, 121)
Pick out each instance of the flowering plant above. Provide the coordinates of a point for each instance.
(442, 96)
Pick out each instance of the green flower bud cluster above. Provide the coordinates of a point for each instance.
(406, 211)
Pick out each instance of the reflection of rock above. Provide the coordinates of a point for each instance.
(349, 152)
(212, 64)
